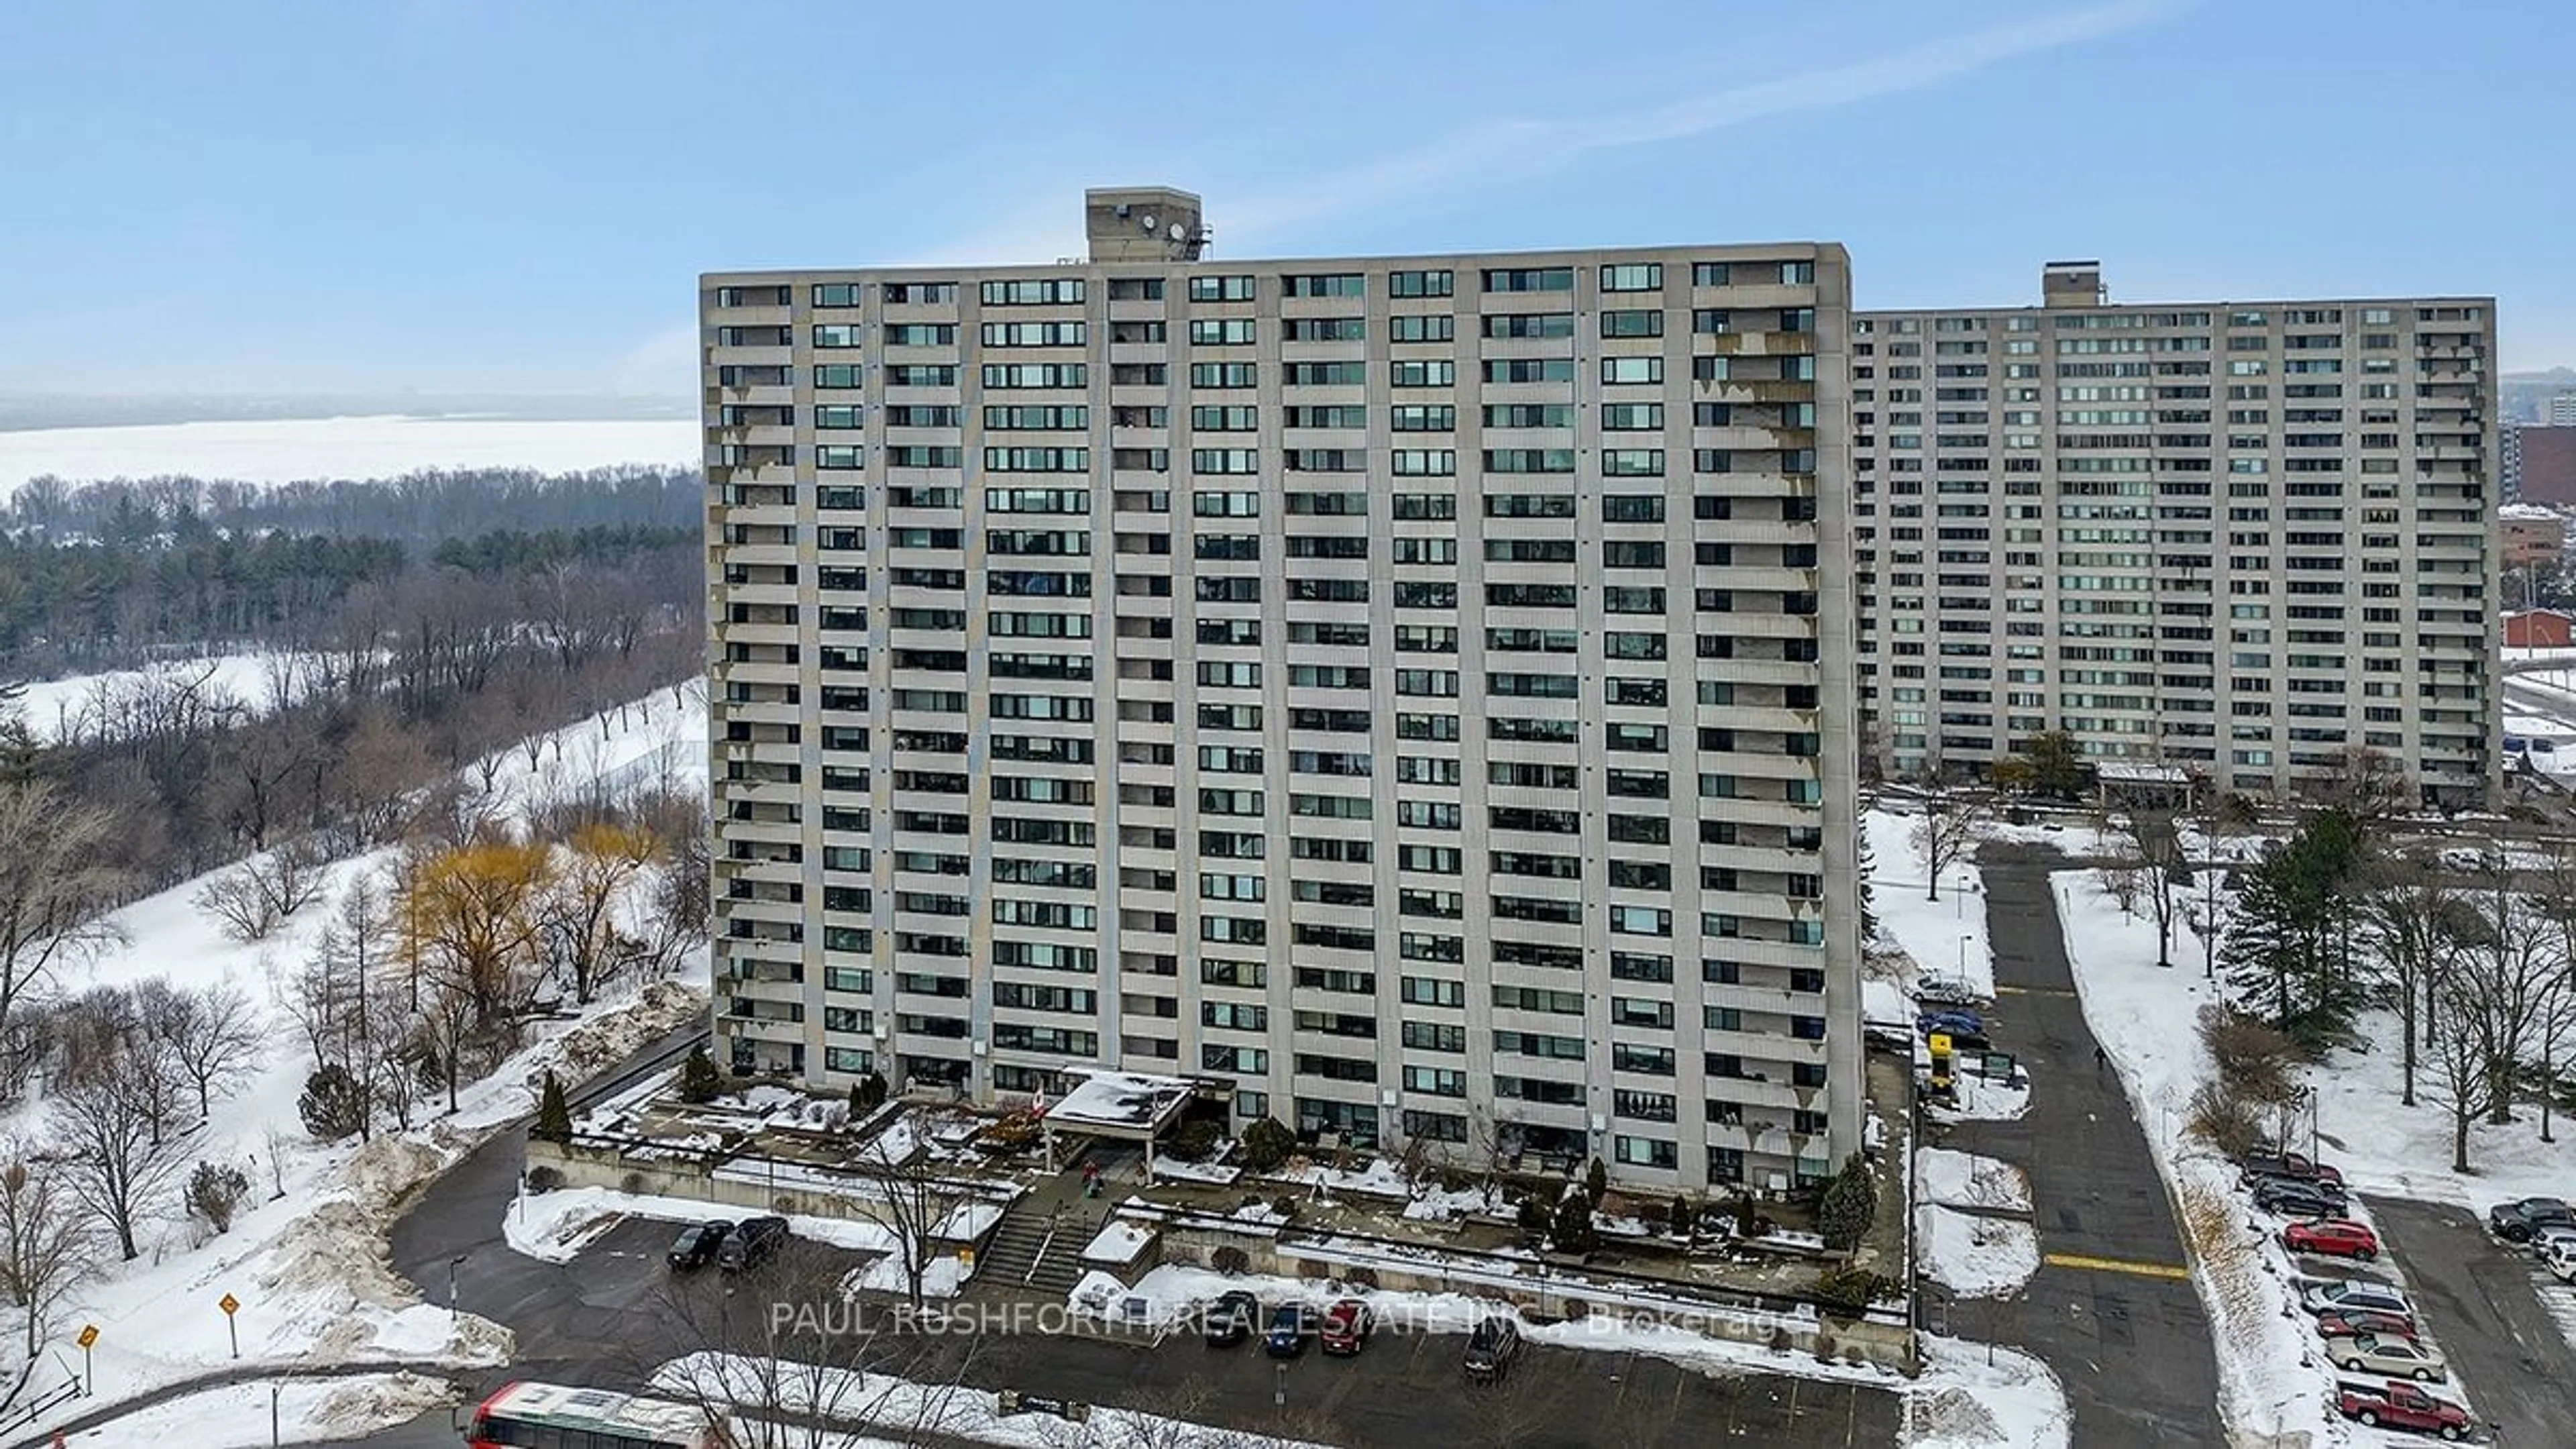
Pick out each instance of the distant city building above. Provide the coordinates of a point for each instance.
(2532, 537)
(1410, 697)
(2536, 629)
(2509, 440)
(2562, 409)
(2546, 471)
(2245, 538)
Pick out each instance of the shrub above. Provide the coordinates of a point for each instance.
(554, 1113)
(1850, 1291)
(1230, 1260)
(1534, 1217)
(868, 1093)
(1596, 1181)
(215, 1192)
(333, 1105)
(544, 1179)
(699, 1080)
(2226, 1118)
(2252, 1057)
(632, 1184)
(1285, 1205)
(1571, 1229)
(1850, 1204)
(1685, 1216)
(1266, 1144)
(1193, 1140)
(1748, 1223)
(1363, 1277)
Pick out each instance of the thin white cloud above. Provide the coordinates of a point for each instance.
(665, 360)
(1522, 146)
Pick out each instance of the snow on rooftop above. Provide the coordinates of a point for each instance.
(2136, 772)
(1119, 1242)
(1120, 1099)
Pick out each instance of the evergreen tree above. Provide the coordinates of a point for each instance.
(699, 1080)
(1596, 1181)
(1850, 1204)
(2289, 951)
(1572, 1231)
(554, 1113)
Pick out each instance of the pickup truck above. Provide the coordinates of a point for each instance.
(2403, 1406)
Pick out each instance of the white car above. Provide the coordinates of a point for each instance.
(2544, 1239)
(2559, 1257)
(2396, 1358)
(2358, 1295)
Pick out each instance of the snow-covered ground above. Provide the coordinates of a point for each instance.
(1963, 1179)
(2272, 1376)
(1974, 1255)
(1958, 1401)
(303, 1411)
(556, 1226)
(1946, 937)
(289, 450)
(307, 1265)
(54, 708)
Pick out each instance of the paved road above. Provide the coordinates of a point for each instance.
(2132, 1346)
(2483, 1304)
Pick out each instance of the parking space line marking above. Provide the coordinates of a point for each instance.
(2114, 1265)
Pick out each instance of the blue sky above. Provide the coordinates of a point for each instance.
(487, 195)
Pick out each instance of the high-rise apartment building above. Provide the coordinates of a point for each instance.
(2561, 411)
(2240, 539)
(1411, 695)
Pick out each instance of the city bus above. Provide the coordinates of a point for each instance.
(554, 1416)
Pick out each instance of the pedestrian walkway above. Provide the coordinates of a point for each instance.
(2111, 1309)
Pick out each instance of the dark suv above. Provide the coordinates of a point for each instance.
(1491, 1348)
(2515, 1222)
(1231, 1319)
(2264, 1162)
(698, 1244)
(754, 1242)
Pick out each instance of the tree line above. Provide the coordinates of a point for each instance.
(417, 508)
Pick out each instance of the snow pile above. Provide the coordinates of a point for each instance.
(1945, 938)
(309, 1411)
(1963, 1179)
(1972, 1254)
(1973, 1396)
(557, 1226)
(1440, 1205)
(1378, 1178)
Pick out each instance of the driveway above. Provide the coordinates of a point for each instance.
(2488, 1307)
(2112, 1308)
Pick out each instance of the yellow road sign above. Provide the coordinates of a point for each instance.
(228, 1303)
(88, 1335)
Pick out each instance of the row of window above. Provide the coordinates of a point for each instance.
(1239, 287)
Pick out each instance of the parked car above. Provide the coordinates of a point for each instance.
(2356, 1295)
(2265, 1162)
(2515, 1222)
(2400, 1357)
(1491, 1349)
(1957, 1023)
(1291, 1324)
(2549, 1236)
(1346, 1328)
(2403, 1406)
(2332, 1237)
(2291, 1197)
(697, 1244)
(754, 1242)
(2345, 1323)
(1231, 1318)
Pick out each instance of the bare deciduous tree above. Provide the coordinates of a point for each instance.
(1952, 824)
(2150, 842)
(56, 882)
(2408, 919)
(213, 1036)
(106, 1120)
(47, 1248)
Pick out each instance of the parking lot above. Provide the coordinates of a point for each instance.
(618, 1310)
(2486, 1301)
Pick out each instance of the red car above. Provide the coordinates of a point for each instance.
(1346, 1327)
(2333, 1237)
(2357, 1322)
(2403, 1406)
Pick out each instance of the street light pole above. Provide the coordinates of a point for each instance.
(452, 1264)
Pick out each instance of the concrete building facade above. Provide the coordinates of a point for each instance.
(1411, 693)
(2546, 466)
(2245, 539)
